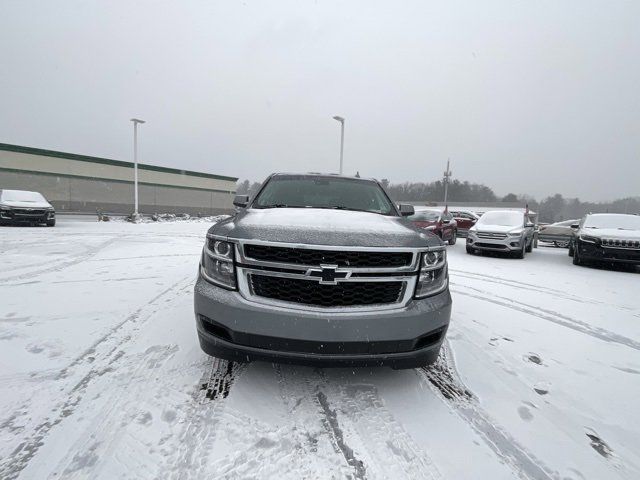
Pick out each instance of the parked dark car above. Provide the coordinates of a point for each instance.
(606, 238)
(322, 270)
(559, 233)
(465, 219)
(439, 223)
(25, 208)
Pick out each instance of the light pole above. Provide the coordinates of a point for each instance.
(341, 120)
(447, 174)
(135, 121)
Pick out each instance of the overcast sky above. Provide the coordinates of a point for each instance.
(530, 97)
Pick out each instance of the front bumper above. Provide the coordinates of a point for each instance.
(598, 253)
(508, 244)
(231, 327)
(9, 216)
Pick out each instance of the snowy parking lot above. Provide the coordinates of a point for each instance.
(101, 375)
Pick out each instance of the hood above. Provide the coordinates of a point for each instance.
(611, 233)
(313, 226)
(18, 204)
(495, 228)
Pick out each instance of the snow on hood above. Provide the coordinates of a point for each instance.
(496, 228)
(18, 204)
(611, 233)
(314, 226)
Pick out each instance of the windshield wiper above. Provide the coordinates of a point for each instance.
(343, 207)
(281, 205)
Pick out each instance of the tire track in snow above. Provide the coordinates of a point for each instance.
(444, 380)
(54, 267)
(531, 287)
(365, 432)
(100, 439)
(101, 358)
(382, 438)
(549, 315)
(203, 415)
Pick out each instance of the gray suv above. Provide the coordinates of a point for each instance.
(322, 270)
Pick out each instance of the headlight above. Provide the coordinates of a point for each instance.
(217, 263)
(430, 227)
(433, 276)
(515, 233)
(588, 239)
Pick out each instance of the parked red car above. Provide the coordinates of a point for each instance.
(439, 223)
(465, 220)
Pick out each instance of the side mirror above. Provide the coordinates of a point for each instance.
(530, 225)
(406, 210)
(241, 201)
(575, 226)
(446, 221)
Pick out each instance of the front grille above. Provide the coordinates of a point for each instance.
(617, 243)
(310, 292)
(494, 235)
(497, 246)
(305, 256)
(28, 212)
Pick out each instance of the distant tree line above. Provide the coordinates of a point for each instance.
(434, 191)
(555, 208)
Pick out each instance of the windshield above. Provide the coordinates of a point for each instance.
(622, 222)
(424, 216)
(21, 196)
(303, 191)
(504, 219)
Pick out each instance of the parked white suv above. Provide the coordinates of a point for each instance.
(507, 231)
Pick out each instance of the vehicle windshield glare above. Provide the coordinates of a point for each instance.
(424, 216)
(21, 196)
(621, 221)
(301, 191)
(504, 219)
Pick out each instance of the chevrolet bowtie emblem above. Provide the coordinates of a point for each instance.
(329, 274)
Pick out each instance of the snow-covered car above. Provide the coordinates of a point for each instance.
(322, 270)
(606, 238)
(559, 233)
(507, 231)
(24, 207)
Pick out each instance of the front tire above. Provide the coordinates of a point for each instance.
(470, 250)
(576, 258)
(452, 240)
(51, 223)
(529, 247)
(520, 253)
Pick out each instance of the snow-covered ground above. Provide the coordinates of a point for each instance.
(101, 375)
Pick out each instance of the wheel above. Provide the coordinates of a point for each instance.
(452, 240)
(520, 253)
(529, 247)
(570, 249)
(51, 223)
(561, 244)
(470, 250)
(576, 258)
